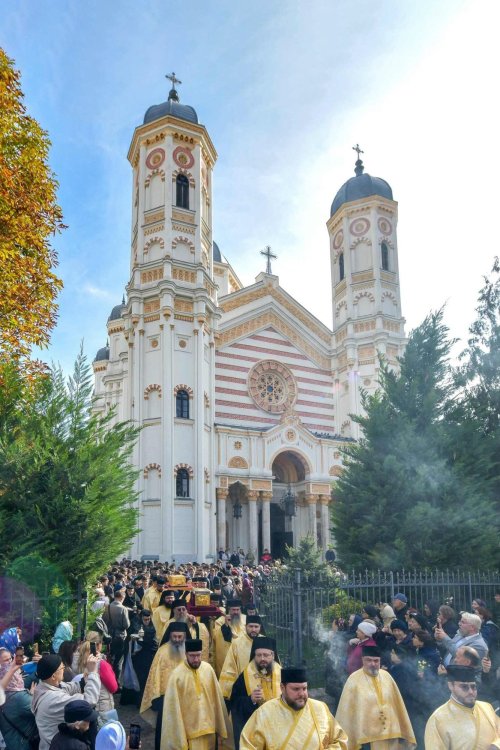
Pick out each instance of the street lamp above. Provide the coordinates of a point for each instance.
(288, 503)
(237, 508)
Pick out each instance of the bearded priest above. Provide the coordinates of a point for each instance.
(294, 721)
(258, 683)
(194, 712)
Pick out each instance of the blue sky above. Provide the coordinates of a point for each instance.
(285, 89)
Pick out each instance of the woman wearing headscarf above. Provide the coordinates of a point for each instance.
(17, 722)
(10, 639)
(64, 632)
(111, 737)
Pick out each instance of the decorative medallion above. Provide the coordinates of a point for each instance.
(182, 344)
(272, 386)
(156, 158)
(338, 239)
(367, 382)
(183, 157)
(359, 227)
(237, 445)
(384, 226)
(291, 435)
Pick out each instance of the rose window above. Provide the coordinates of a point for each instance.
(272, 386)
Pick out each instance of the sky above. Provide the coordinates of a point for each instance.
(285, 89)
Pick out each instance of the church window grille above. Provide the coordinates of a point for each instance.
(341, 267)
(182, 191)
(182, 483)
(385, 256)
(182, 405)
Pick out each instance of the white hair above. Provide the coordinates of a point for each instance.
(472, 619)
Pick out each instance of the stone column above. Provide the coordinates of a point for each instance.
(325, 521)
(252, 496)
(311, 501)
(266, 520)
(222, 494)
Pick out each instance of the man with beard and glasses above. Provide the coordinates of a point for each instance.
(194, 713)
(371, 708)
(463, 722)
(229, 626)
(195, 629)
(258, 683)
(238, 655)
(170, 654)
(294, 721)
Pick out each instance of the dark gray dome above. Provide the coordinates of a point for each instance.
(216, 253)
(117, 312)
(171, 107)
(360, 186)
(102, 354)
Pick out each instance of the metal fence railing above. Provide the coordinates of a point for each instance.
(298, 608)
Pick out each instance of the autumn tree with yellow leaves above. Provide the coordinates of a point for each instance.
(29, 217)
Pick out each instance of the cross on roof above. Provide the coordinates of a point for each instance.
(268, 254)
(172, 78)
(357, 149)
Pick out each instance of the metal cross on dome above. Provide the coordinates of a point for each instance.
(357, 149)
(268, 254)
(173, 78)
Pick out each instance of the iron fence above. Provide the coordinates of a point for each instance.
(298, 608)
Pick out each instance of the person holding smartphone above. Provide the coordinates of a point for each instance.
(92, 646)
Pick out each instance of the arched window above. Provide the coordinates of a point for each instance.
(182, 191)
(182, 483)
(341, 266)
(385, 256)
(182, 405)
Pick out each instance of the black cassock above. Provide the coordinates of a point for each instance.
(241, 707)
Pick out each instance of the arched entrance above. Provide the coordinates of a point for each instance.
(289, 469)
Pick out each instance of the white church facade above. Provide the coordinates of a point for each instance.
(243, 396)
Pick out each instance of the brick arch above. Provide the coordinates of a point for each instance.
(387, 241)
(152, 467)
(186, 174)
(152, 174)
(359, 240)
(188, 468)
(389, 295)
(154, 241)
(183, 387)
(341, 304)
(150, 388)
(185, 240)
(364, 294)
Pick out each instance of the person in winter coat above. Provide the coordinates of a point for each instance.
(79, 728)
(109, 685)
(364, 637)
(51, 695)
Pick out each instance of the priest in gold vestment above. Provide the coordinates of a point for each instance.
(194, 712)
(294, 721)
(151, 598)
(259, 682)
(238, 655)
(463, 723)
(163, 613)
(371, 709)
(170, 654)
(226, 628)
(196, 629)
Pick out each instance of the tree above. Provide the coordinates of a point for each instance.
(66, 480)
(401, 501)
(29, 215)
(474, 417)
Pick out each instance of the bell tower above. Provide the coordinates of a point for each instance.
(367, 318)
(169, 326)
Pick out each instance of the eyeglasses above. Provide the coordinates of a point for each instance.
(467, 687)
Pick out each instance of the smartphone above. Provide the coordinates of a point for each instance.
(35, 648)
(93, 649)
(134, 737)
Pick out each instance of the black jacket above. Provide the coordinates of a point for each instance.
(69, 739)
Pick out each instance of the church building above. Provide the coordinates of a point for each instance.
(244, 397)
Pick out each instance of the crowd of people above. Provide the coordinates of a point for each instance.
(186, 646)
